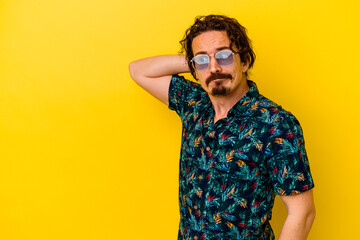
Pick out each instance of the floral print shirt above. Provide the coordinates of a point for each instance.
(231, 171)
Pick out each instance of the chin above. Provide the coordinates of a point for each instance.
(220, 91)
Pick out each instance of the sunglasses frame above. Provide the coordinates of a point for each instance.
(208, 56)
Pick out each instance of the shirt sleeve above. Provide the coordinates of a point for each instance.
(288, 163)
(179, 91)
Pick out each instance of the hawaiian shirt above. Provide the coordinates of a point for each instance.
(231, 170)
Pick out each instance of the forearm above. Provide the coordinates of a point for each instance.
(297, 227)
(155, 73)
(158, 66)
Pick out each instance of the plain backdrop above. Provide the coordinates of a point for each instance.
(85, 153)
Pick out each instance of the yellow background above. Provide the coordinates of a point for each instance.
(87, 154)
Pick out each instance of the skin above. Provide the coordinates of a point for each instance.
(212, 42)
(154, 75)
(301, 215)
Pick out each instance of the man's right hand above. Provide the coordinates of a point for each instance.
(154, 74)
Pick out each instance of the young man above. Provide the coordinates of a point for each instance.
(239, 149)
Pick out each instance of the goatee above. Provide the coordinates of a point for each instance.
(219, 90)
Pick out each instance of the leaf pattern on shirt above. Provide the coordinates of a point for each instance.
(231, 171)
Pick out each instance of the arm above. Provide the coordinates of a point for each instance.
(301, 214)
(154, 74)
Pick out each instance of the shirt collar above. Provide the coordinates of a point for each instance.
(246, 105)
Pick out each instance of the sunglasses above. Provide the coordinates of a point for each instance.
(223, 58)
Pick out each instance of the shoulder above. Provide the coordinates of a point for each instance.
(273, 113)
(184, 88)
(180, 82)
(184, 93)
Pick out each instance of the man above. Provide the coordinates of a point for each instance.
(239, 149)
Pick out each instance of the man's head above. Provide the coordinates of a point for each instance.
(236, 33)
(222, 52)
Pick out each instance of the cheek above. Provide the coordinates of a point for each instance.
(201, 76)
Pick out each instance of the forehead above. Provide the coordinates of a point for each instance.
(210, 42)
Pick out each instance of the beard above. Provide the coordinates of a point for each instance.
(219, 90)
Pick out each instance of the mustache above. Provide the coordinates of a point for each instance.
(214, 76)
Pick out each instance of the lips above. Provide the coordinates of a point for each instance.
(217, 80)
(218, 77)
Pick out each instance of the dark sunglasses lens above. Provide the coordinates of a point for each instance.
(224, 58)
(201, 62)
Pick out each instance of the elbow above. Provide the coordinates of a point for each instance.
(132, 69)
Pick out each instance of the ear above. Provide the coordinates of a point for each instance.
(245, 66)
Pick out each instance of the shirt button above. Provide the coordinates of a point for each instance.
(207, 148)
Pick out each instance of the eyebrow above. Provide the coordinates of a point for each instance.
(218, 49)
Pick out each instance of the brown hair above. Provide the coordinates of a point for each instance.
(236, 33)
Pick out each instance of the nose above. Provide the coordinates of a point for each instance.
(213, 65)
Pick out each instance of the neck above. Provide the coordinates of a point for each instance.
(223, 104)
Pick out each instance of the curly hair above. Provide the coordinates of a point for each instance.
(236, 33)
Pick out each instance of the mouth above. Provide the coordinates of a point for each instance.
(218, 80)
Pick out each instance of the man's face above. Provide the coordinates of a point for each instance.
(218, 80)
